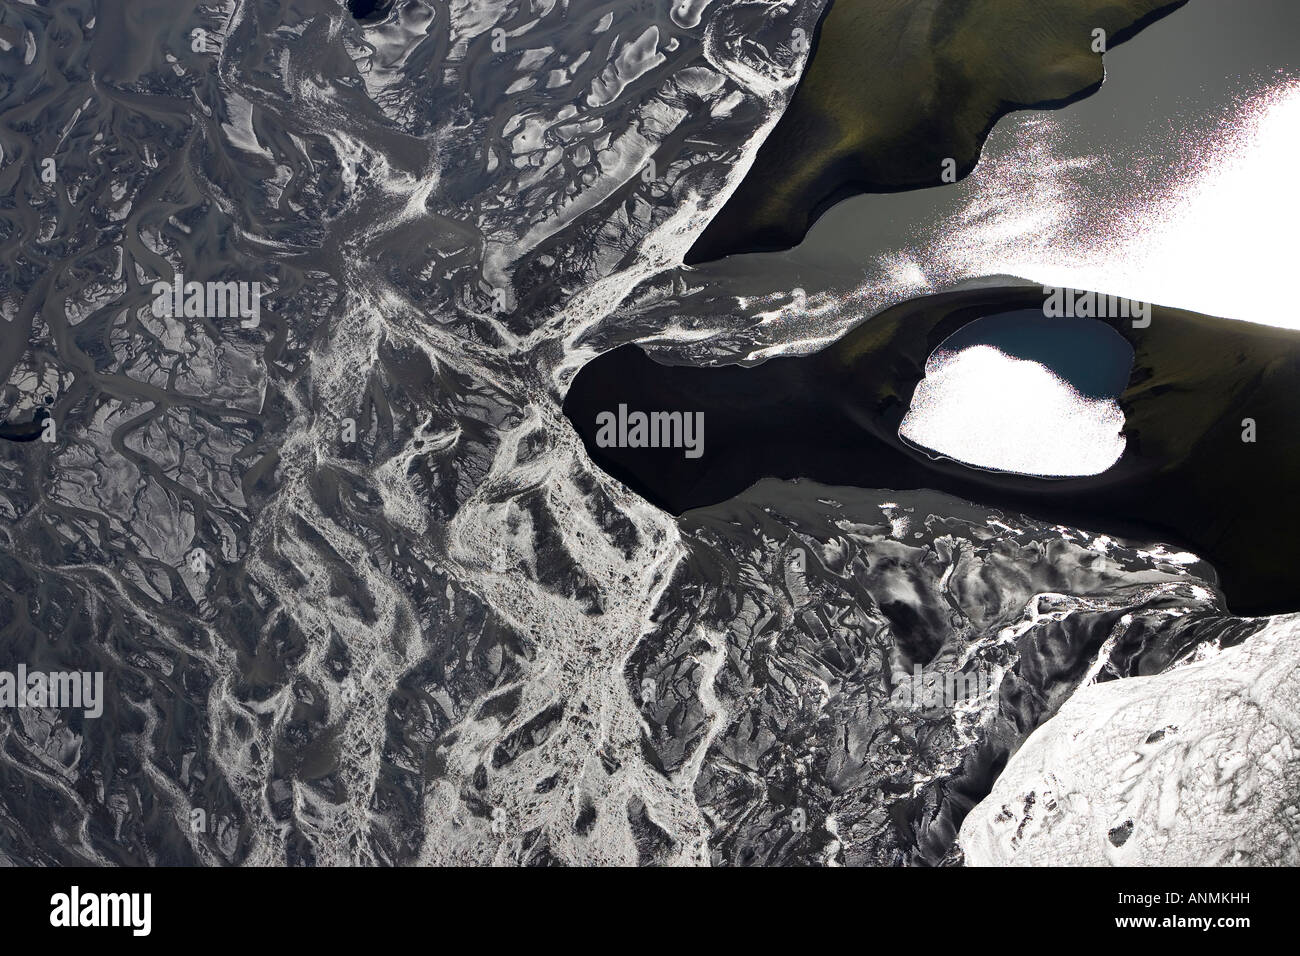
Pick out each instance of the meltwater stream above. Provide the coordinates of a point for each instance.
(357, 593)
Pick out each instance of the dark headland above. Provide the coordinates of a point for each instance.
(1186, 477)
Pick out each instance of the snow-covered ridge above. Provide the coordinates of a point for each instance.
(1196, 766)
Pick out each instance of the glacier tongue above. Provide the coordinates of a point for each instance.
(1196, 766)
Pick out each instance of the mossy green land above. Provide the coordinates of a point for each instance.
(896, 87)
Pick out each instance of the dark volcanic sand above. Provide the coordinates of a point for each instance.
(1186, 477)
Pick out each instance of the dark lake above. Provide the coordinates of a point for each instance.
(1091, 356)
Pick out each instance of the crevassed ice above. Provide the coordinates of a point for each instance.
(983, 407)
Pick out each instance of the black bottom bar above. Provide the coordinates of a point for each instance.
(302, 906)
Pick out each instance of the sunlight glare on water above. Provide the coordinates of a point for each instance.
(982, 407)
(1211, 233)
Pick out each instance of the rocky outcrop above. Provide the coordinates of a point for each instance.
(839, 674)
